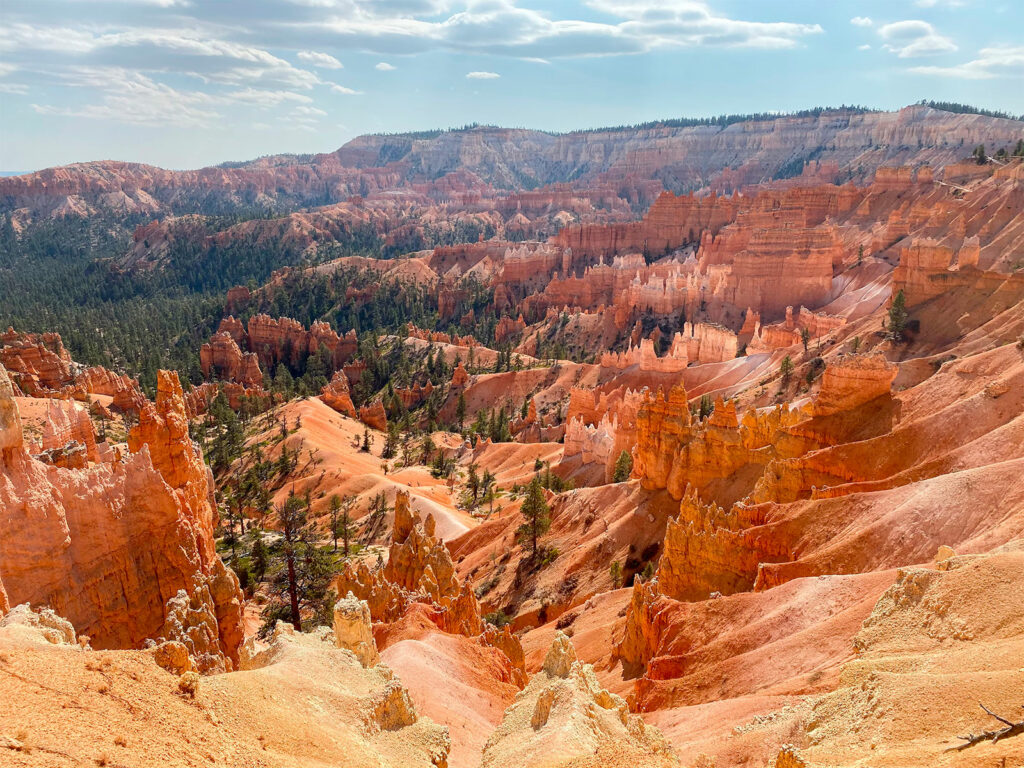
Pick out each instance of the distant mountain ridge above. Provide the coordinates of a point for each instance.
(685, 158)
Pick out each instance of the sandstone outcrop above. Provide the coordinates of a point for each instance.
(40, 625)
(348, 716)
(853, 381)
(67, 422)
(336, 394)
(38, 362)
(460, 377)
(564, 717)
(353, 631)
(241, 354)
(109, 546)
(420, 570)
(11, 439)
(374, 416)
(221, 358)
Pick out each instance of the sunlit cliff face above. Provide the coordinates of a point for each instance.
(10, 425)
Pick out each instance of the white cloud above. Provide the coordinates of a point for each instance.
(864, 47)
(500, 27)
(309, 111)
(182, 62)
(993, 62)
(933, 3)
(130, 97)
(322, 60)
(861, 21)
(913, 38)
(264, 99)
(13, 89)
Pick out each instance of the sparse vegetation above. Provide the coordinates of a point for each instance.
(535, 511)
(623, 467)
(897, 324)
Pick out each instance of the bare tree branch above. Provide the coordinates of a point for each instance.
(1011, 729)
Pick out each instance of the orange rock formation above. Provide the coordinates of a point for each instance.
(117, 547)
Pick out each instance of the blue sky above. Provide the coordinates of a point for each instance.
(186, 83)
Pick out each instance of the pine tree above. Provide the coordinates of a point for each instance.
(473, 482)
(487, 485)
(707, 406)
(537, 514)
(303, 572)
(460, 409)
(623, 468)
(340, 509)
(786, 369)
(390, 442)
(898, 317)
(427, 449)
(615, 572)
(259, 557)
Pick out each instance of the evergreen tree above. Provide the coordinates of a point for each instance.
(623, 467)
(706, 407)
(390, 442)
(487, 486)
(427, 449)
(303, 572)
(340, 509)
(473, 482)
(460, 410)
(615, 572)
(538, 520)
(786, 369)
(259, 557)
(283, 381)
(898, 316)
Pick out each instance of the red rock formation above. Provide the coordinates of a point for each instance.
(220, 358)
(237, 298)
(437, 337)
(460, 377)
(11, 442)
(420, 571)
(508, 328)
(270, 342)
(277, 341)
(765, 338)
(125, 391)
(198, 399)
(336, 395)
(671, 222)
(110, 546)
(646, 358)
(853, 381)
(66, 422)
(374, 416)
(39, 363)
(622, 166)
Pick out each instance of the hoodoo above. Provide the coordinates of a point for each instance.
(693, 443)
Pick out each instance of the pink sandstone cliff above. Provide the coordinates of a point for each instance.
(117, 547)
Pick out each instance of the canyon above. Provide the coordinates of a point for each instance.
(701, 449)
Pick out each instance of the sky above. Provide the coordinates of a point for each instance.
(188, 83)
